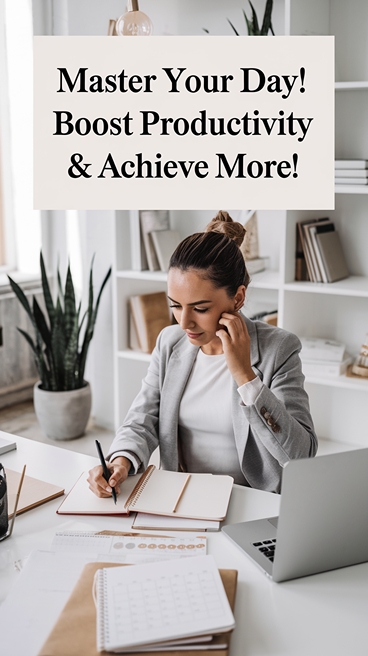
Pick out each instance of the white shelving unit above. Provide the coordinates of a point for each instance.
(338, 310)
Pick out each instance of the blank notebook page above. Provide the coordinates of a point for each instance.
(152, 603)
(205, 496)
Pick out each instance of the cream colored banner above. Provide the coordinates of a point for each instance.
(184, 122)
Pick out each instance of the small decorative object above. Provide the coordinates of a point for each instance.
(250, 245)
(134, 22)
(360, 366)
(62, 397)
(253, 24)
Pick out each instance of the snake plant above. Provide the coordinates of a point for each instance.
(60, 344)
(253, 24)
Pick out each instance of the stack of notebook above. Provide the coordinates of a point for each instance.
(351, 171)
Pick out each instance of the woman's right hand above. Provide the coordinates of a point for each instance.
(119, 469)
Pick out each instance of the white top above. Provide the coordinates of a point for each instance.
(206, 435)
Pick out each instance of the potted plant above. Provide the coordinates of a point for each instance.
(62, 397)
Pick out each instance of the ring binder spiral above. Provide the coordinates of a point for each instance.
(136, 493)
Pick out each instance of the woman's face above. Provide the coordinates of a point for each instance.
(197, 307)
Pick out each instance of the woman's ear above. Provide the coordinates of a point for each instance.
(239, 298)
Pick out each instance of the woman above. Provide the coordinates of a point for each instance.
(223, 394)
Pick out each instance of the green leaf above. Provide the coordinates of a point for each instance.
(267, 25)
(58, 346)
(71, 357)
(249, 24)
(60, 286)
(22, 299)
(69, 304)
(46, 292)
(232, 26)
(41, 323)
(254, 20)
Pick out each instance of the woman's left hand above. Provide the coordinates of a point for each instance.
(236, 346)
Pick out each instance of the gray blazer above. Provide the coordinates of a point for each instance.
(276, 428)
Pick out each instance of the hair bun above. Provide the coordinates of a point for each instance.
(223, 222)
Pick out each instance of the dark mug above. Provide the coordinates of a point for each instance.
(4, 524)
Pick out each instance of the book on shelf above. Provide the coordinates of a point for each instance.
(152, 220)
(351, 164)
(319, 243)
(75, 632)
(157, 492)
(351, 181)
(137, 249)
(332, 255)
(326, 368)
(304, 264)
(318, 349)
(351, 173)
(149, 314)
(164, 243)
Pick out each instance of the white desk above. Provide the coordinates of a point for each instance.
(319, 615)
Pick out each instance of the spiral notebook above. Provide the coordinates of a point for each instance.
(157, 492)
(75, 631)
(168, 604)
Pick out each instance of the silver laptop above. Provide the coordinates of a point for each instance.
(323, 521)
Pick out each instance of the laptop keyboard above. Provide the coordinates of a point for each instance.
(267, 548)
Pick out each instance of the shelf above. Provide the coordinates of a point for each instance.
(158, 276)
(343, 382)
(352, 86)
(352, 286)
(351, 189)
(266, 280)
(138, 356)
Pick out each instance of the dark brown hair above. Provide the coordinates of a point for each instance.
(215, 253)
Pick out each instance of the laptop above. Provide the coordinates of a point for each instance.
(323, 520)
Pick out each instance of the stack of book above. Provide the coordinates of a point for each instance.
(319, 254)
(351, 171)
(152, 240)
(323, 357)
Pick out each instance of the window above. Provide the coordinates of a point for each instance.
(20, 225)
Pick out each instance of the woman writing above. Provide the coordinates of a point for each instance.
(223, 394)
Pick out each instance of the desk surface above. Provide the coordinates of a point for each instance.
(317, 615)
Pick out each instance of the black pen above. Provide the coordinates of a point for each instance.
(106, 472)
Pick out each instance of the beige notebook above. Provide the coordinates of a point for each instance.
(177, 494)
(34, 492)
(157, 492)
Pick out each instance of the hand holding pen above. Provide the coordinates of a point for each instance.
(106, 473)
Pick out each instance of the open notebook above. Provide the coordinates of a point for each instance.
(157, 492)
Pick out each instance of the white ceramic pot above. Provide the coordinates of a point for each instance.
(63, 415)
